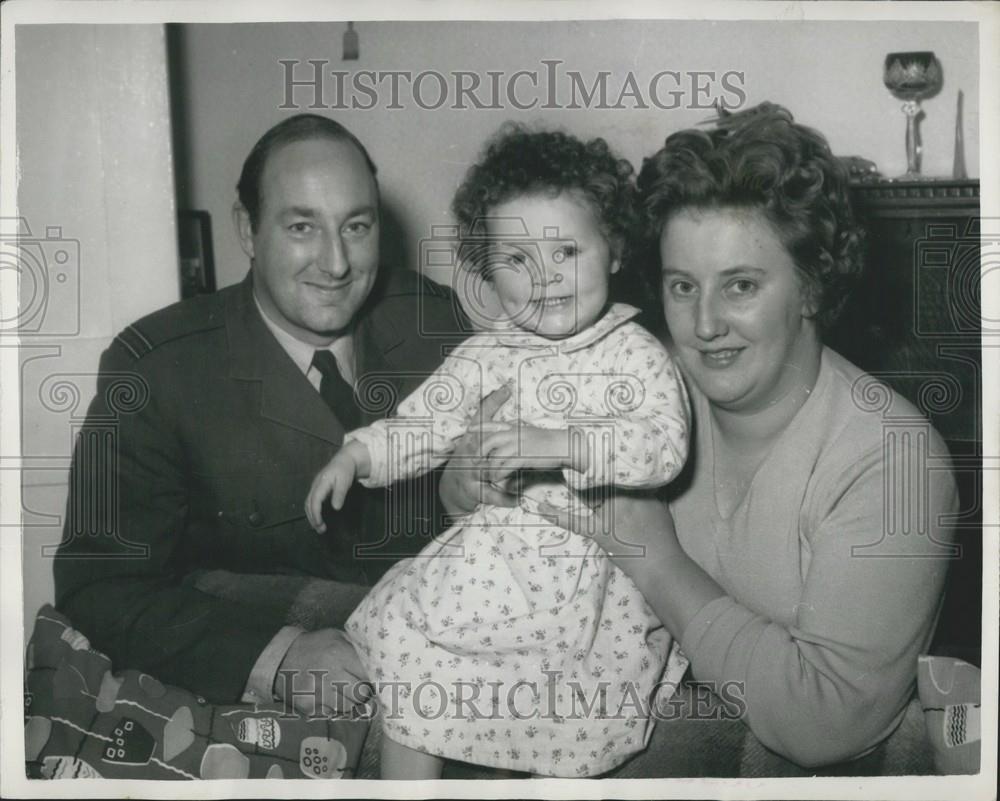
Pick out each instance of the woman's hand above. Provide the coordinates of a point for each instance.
(462, 486)
(634, 529)
(637, 532)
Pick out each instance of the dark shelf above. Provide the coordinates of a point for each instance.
(930, 197)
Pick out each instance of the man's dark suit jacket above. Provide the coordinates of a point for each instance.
(198, 453)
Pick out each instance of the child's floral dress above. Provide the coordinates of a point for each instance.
(509, 641)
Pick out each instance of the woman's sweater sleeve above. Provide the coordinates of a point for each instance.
(836, 682)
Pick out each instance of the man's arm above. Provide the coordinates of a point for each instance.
(119, 569)
(260, 687)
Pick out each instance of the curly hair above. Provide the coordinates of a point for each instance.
(761, 159)
(518, 162)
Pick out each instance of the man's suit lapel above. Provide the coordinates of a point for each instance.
(287, 397)
(372, 343)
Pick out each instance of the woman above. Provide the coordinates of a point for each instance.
(766, 566)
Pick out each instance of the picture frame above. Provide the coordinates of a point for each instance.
(195, 253)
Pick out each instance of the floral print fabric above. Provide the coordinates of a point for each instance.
(509, 641)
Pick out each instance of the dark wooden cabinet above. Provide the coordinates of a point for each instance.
(914, 322)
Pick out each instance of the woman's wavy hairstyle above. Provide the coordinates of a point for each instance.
(518, 161)
(761, 159)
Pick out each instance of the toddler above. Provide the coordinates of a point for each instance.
(509, 641)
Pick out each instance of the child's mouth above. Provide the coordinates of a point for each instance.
(552, 303)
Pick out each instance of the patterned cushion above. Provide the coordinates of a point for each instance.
(950, 693)
(83, 720)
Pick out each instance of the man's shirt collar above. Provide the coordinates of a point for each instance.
(301, 352)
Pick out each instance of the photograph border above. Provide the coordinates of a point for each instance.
(12, 636)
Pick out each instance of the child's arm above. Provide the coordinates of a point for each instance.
(351, 462)
(521, 446)
(643, 443)
(422, 433)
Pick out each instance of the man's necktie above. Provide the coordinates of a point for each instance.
(344, 528)
(338, 394)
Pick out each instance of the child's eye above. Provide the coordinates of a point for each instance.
(515, 258)
(565, 253)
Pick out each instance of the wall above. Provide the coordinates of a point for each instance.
(828, 73)
(96, 184)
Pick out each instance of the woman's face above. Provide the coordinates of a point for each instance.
(736, 308)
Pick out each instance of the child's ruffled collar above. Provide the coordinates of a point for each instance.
(616, 315)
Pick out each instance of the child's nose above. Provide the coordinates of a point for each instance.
(550, 278)
(555, 268)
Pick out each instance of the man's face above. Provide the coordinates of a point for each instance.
(315, 247)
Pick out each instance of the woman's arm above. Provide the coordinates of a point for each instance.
(834, 683)
(637, 532)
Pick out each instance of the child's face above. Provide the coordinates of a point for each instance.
(554, 281)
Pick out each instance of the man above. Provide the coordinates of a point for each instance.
(240, 397)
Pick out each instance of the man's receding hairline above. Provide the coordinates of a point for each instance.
(317, 137)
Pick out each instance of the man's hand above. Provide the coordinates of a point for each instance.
(321, 674)
(462, 487)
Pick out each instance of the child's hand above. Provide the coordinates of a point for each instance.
(521, 447)
(331, 482)
(334, 480)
